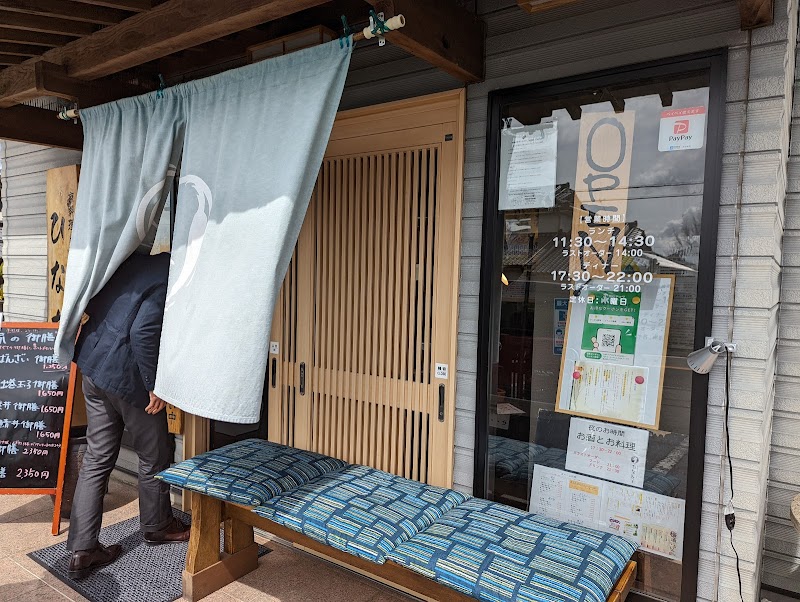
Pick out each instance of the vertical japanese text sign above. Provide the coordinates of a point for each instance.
(62, 191)
(601, 193)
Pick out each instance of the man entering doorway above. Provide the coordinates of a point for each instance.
(117, 352)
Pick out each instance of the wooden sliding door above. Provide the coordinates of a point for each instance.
(364, 366)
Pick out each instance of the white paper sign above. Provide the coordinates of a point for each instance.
(609, 451)
(565, 496)
(682, 129)
(528, 166)
(654, 521)
(441, 371)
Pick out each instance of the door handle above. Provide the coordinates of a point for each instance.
(302, 378)
(274, 372)
(441, 403)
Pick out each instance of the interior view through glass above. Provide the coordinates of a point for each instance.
(590, 391)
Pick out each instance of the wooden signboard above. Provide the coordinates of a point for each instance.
(62, 192)
(35, 412)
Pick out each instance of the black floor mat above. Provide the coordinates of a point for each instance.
(142, 573)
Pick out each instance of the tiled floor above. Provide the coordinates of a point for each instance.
(284, 575)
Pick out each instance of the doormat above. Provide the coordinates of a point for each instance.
(142, 573)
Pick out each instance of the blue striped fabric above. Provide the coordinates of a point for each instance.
(250, 472)
(512, 455)
(361, 510)
(498, 553)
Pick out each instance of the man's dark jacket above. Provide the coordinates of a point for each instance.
(118, 345)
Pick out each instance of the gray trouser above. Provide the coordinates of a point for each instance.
(107, 416)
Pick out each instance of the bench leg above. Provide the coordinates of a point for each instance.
(238, 535)
(205, 571)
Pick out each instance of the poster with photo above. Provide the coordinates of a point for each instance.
(612, 365)
(654, 521)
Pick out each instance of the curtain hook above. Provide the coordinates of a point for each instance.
(378, 26)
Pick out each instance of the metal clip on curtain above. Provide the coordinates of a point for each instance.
(345, 33)
(161, 85)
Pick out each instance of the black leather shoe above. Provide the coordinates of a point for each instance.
(83, 561)
(176, 532)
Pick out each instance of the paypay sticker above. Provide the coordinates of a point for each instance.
(682, 129)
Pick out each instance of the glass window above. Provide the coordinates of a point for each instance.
(594, 301)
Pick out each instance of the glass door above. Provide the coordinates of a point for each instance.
(597, 283)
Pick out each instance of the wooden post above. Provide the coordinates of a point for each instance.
(206, 571)
(238, 535)
(204, 541)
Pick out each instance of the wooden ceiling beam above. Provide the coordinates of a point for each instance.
(36, 38)
(45, 24)
(756, 13)
(538, 6)
(86, 13)
(41, 78)
(170, 27)
(439, 32)
(136, 6)
(20, 49)
(11, 59)
(39, 126)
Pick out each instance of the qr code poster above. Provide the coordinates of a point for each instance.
(612, 365)
(610, 327)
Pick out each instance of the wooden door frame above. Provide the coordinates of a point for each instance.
(444, 108)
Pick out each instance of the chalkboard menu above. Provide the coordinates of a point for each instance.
(35, 406)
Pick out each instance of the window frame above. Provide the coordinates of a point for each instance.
(714, 62)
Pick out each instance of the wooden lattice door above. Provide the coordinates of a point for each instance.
(366, 321)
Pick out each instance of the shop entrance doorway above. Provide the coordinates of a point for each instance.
(363, 345)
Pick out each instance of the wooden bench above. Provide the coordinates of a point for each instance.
(207, 570)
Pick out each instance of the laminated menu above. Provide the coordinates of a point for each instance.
(35, 404)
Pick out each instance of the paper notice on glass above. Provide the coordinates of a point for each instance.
(528, 166)
(566, 496)
(609, 451)
(654, 521)
(609, 391)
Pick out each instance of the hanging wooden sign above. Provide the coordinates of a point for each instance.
(35, 412)
(602, 178)
(62, 192)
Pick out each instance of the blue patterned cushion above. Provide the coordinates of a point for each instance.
(512, 455)
(498, 553)
(360, 510)
(249, 472)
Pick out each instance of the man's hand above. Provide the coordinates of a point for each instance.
(156, 404)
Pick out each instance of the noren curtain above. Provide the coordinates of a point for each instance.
(250, 143)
